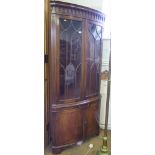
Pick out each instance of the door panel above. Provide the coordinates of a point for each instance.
(70, 58)
(68, 127)
(91, 115)
(93, 59)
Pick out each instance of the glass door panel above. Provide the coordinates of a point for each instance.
(93, 59)
(70, 58)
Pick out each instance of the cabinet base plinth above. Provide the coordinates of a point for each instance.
(59, 149)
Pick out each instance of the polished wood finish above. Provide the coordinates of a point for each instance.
(68, 120)
(46, 72)
(72, 114)
(92, 127)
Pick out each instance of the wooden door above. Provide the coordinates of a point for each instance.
(68, 125)
(93, 59)
(91, 120)
(70, 58)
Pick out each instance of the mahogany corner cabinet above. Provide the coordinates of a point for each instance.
(73, 55)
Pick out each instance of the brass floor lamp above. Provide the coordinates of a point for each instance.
(104, 148)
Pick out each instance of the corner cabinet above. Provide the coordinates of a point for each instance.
(74, 43)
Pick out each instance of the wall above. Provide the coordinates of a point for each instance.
(103, 106)
(88, 3)
(105, 66)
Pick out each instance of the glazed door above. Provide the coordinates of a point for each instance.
(70, 58)
(93, 58)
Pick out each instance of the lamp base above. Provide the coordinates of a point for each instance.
(104, 148)
(102, 153)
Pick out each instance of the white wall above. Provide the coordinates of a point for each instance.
(97, 4)
(107, 23)
(103, 106)
(103, 91)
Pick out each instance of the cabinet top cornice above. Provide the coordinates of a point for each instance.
(70, 9)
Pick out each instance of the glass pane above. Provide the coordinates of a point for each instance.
(70, 58)
(93, 59)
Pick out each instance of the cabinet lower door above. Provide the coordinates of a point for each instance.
(91, 120)
(67, 127)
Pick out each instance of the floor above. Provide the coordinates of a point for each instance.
(82, 149)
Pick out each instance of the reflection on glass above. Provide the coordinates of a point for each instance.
(70, 58)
